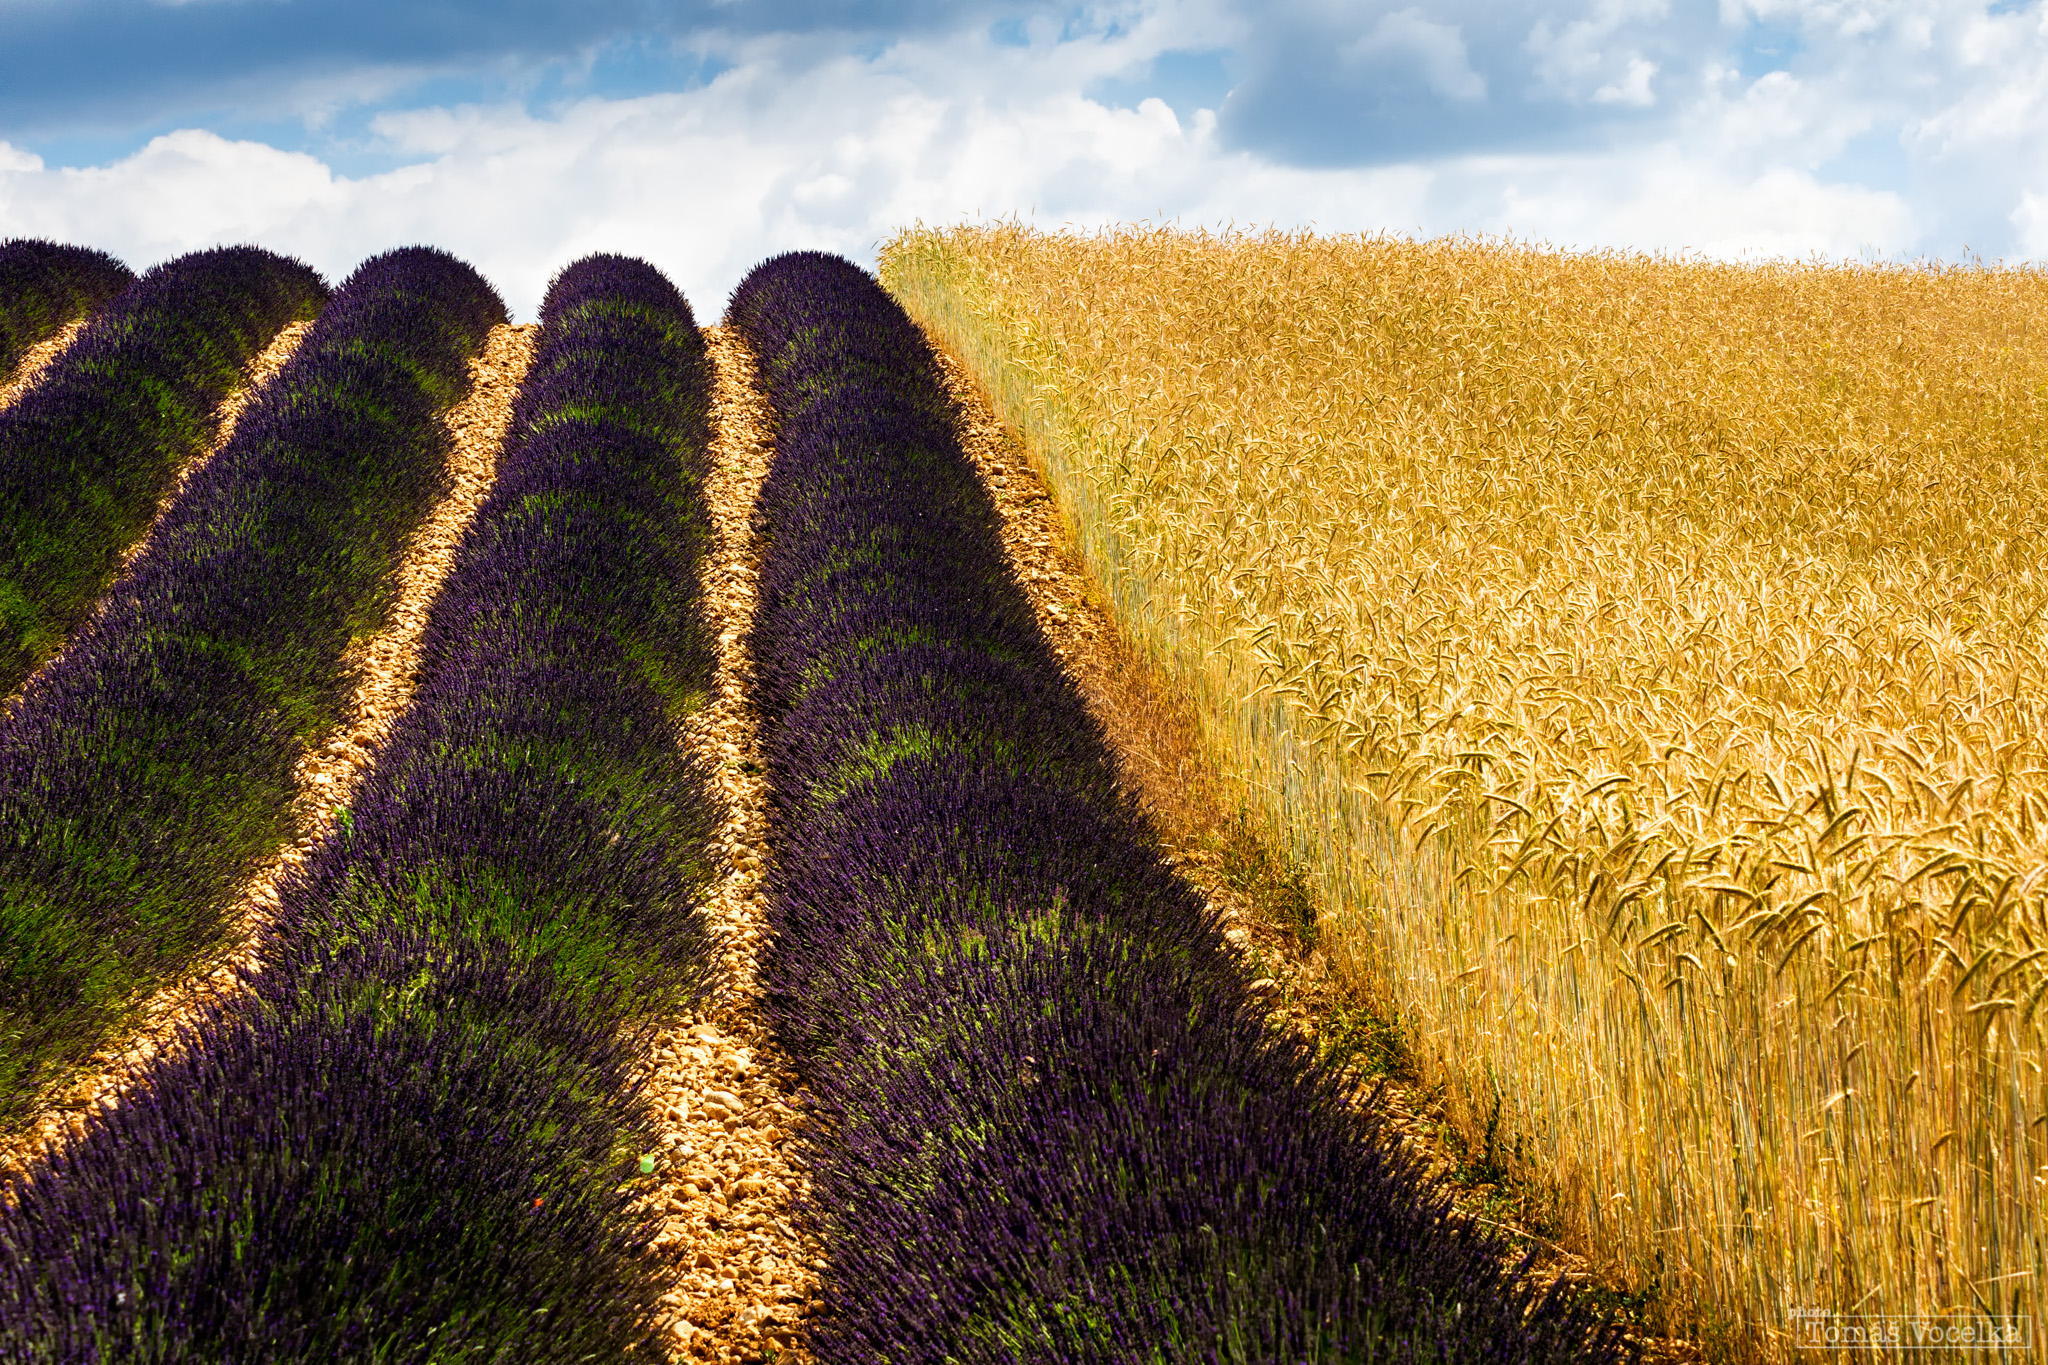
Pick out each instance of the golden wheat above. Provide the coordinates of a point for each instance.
(1649, 660)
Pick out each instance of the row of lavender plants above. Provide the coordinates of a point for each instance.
(149, 766)
(87, 452)
(1055, 1126)
(44, 285)
(415, 1139)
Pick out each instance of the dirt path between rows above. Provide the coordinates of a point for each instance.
(724, 1104)
(1158, 755)
(384, 671)
(36, 359)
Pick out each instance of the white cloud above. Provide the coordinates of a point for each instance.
(1632, 87)
(2030, 223)
(1778, 119)
(776, 155)
(1438, 50)
(1994, 71)
(1668, 204)
(1587, 58)
(183, 189)
(705, 183)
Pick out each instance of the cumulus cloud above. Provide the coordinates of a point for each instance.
(64, 62)
(1668, 204)
(1434, 51)
(1602, 54)
(705, 182)
(1834, 151)
(1460, 76)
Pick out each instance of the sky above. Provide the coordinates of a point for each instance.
(706, 135)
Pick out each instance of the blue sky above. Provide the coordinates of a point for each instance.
(706, 134)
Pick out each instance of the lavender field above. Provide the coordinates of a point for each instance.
(391, 969)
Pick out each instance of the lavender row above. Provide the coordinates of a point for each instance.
(44, 285)
(151, 765)
(415, 1140)
(85, 455)
(1057, 1128)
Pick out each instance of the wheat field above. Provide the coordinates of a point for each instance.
(1648, 661)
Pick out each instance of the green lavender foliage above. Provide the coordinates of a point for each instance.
(86, 453)
(44, 285)
(151, 765)
(414, 1138)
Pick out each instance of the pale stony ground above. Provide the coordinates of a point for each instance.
(258, 373)
(36, 359)
(1159, 758)
(383, 668)
(723, 1103)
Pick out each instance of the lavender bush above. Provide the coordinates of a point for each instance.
(415, 1140)
(85, 455)
(44, 285)
(148, 768)
(1055, 1126)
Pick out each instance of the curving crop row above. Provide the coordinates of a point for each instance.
(1058, 1129)
(149, 767)
(413, 1139)
(87, 452)
(44, 285)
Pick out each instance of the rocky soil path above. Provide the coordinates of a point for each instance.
(723, 1100)
(38, 358)
(383, 672)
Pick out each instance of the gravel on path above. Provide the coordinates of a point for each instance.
(37, 359)
(383, 669)
(723, 1099)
